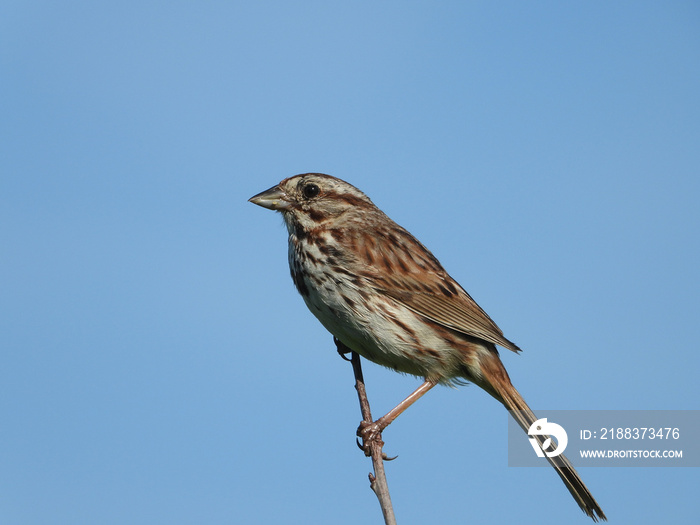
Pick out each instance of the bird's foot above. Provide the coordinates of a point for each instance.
(342, 350)
(371, 434)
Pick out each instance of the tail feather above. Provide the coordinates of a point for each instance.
(499, 386)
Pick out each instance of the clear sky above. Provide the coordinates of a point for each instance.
(158, 365)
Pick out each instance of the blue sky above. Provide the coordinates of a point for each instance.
(158, 365)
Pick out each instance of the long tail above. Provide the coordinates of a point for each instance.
(494, 379)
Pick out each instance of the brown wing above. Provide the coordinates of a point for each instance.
(399, 266)
(458, 312)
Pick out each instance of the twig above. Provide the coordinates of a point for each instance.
(378, 482)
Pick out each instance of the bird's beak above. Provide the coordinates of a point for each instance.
(272, 199)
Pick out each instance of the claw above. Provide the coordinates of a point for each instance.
(342, 349)
(367, 453)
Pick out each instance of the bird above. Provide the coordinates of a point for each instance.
(382, 294)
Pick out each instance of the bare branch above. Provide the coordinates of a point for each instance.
(372, 446)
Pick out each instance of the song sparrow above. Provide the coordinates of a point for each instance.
(379, 291)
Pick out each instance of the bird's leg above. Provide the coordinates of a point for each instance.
(372, 431)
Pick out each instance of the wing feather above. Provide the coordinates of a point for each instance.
(458, 312)
(397, 265)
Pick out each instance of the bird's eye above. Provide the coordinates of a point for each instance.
(310, 190)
